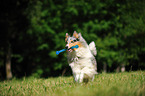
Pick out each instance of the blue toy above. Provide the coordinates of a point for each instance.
(57, 52)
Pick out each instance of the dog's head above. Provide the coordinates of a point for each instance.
(72, 41)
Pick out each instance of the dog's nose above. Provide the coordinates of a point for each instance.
(66, 47)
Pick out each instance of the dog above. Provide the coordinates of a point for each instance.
(81, 59)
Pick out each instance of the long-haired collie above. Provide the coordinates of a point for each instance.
(81, 59)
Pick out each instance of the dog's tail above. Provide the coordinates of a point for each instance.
(93, 48)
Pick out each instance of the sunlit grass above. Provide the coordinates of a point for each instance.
(114, 84)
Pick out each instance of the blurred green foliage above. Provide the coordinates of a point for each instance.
(36, 29)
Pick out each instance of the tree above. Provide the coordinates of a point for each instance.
(12, 26)
(36, 29)
(8, 63)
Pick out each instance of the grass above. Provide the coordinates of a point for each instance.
(113, 84)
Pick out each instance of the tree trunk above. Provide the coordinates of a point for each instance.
(8, 63)
(122, 68)
(63, 72)
(105, 67)
(118, 69)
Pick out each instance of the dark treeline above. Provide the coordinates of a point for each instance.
(31, 31)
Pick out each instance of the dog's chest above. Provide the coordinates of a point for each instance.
(81, 52)
(81, 55)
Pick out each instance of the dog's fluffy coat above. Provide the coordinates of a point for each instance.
(81, 60)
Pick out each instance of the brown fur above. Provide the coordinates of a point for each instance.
(66, 36)
(75, 34)
(75, 43)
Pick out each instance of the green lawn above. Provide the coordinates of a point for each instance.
(113, 84)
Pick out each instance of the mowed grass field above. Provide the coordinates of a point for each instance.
(109, 84)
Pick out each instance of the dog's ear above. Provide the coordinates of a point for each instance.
(66, 36)
(75, 34)
(79, 35)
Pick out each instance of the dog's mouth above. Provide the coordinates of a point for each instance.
(70, 50)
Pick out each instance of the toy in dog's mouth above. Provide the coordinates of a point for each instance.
(70, 49)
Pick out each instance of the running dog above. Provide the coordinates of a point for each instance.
(81, 59)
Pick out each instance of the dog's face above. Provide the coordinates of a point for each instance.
(72, 41)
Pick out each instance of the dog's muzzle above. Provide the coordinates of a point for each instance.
(68, 48)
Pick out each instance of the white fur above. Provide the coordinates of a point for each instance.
(83, 62)
(93, 48)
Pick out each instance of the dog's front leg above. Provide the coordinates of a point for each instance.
(81, 77)
(76, 77)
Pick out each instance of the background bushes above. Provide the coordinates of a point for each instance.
(36, 29)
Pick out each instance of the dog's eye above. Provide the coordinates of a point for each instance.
(72, 41)
(75, 40)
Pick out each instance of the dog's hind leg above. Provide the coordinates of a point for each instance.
(93, 78)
